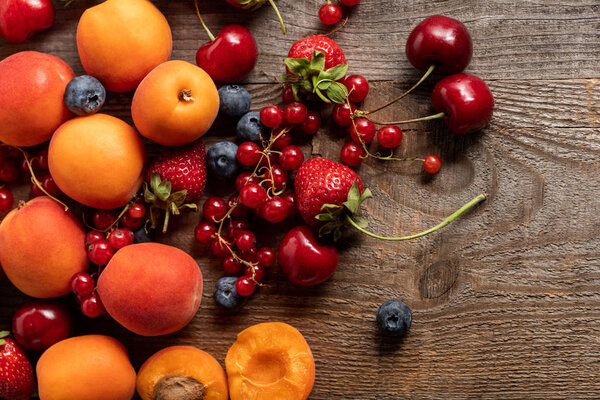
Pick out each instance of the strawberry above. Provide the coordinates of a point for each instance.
(16, 372)
(304, 48)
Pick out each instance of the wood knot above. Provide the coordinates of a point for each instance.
(438, 279)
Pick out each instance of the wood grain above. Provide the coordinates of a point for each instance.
(506, 299)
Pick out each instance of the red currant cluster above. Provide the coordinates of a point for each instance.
(331, 14)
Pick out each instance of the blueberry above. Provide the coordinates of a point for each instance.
(235, 101)
(221, 161)
(140, 236)
(84, 95)
(394, 318)
(225, 294)
(250, 129)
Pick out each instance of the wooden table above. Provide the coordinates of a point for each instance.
(506, 300)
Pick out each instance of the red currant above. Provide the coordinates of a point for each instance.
(137, 210)
(231, 265)
(271, 116)
(100, 252)
(341, 114)
(358, 87)
(245, 240)
(244, 286)
(237, 226)
(330, 14)
(219, 248)
(8, 172)
(295, 113)
(82, 284)
(291, 158)
(288, 95)
(204, 232)
(312, 123)
(214, 209)
(266, 257)
(248, 153)
(244, 178)
(290, 199)
(365, 128)
(92, 306)
(49, 185)
(250, 255)
(120, 238)
(275, 210)
(270, 158)
(351, 154)
(432, 164)
(41, 160)
(253, 195)
(255, 271)
(389, 136)
(93, 236)
(278, 175)
(284, 140)
(102, 219)
(350, 3)
(6, 200)
(240, 210)
(132, 223)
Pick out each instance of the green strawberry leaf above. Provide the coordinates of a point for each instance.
(337, 92)
(149, 197)
(360, 221)
(338, 72)
(163, 191)
(317, 64)
(325, 217)
(337, 233)
(366, 195)
(179, 197)
(298, 66)
(155, 181)
(328, 228)
(321, 95)
(190, 206)
(324, 84)
(353, 201)
(173, 209)
(295, 92)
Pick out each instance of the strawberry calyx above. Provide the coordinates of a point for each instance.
(3, 334)
(254, 5)
(158, 195)
(310, 77)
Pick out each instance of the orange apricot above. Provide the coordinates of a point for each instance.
(182, 372)
(120, 41)
(91, 367)
(270, 361)
(175, 104)
(42, 247)
(31, 97)
(97, 160)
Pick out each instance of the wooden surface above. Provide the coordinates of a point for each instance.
(506, 300)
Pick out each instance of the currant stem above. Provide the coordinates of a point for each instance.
(208, 32)
(408, 121)
(389, 103)
(278, 15)
(445, 222)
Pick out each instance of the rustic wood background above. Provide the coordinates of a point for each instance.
(506, 301)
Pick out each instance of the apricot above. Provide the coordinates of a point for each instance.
(92, 367)
(151, 289)
(270, 361)
(31, 97)
(97, 160)
(120, 41)
(41, 247)
(182, 372)
(175, 104)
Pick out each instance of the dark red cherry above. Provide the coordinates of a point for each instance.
(38, 325)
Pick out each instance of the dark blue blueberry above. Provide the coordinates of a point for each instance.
(221, 161)
(140, 236)
(225, 294)
(250, 129)
(394, 318)
(84, 95)
(235, 101)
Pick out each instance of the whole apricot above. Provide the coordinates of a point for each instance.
(31, 97)
(120, 41)
(97, 160)
(91, 367)
(175, 104)
(182, 372)
(42, 247)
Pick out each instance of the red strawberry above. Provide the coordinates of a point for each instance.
(322, 181)
(16, 372)
(184, 167)
(304, 48)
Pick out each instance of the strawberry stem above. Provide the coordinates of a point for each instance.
(278, 15)
(208, 32)
(408, 121)
(445, 222)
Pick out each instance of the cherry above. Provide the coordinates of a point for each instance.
(363, 127)
(291, 158)
(330, 14)
(266, 257)
(248, 153)
(283, 140)
(219, 248)
(19, 19)
(271, 116)
(82, 284)
(275, 210)
(467, 102)
(6, 200)
(100, 252)
(288, 95)
(278, 175)
(49, 185)
(132, 223)
(236, 226)
(290, 199)
(41, 160)
(214, 209)
(38, 325)
(243, 179)
(92, 306)
(350, 3)
(93, 236)
(389, 136)
(312, 123)
(102, 219)
(303, 260)
(341, 114)
(295, 113)
(245, 240)
(8, 172)
(36, 191)
(137, 210)
(231, 265)
(358, 88)
(351, 154)
(255, 270)
(204, 232)
(244, 286)
(440, 41)
(23, 166)
(249, 255)
(230, 56)
(253, 195)
(120, 238)
(432, 164)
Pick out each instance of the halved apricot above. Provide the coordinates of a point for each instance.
(182, 372)
(270, 361)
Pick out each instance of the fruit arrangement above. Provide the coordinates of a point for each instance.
(103, 197)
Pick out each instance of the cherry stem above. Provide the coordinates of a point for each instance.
(278, 15)
(445, 222)
(208, 32)
(408, 121)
